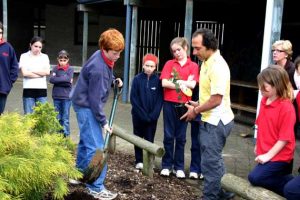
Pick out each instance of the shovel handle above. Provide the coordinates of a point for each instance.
(117, 93)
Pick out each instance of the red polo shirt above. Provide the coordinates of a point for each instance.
(276, 122)
(189, 68)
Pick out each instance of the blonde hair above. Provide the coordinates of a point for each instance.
(278, 78)
(286, 45)
(111, 39)
(181, 41)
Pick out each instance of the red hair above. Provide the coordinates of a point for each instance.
(111, 39)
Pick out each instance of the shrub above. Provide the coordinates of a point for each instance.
(44, 116)
(33, 163)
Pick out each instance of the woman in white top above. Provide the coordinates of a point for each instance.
(35, 66)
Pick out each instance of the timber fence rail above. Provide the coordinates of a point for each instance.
(150, 150)
(244, 189)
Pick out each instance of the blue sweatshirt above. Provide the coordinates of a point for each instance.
(62, 82)
(9, 67)
(146, 97)
(93, 85)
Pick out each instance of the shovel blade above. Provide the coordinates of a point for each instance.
(95, 167)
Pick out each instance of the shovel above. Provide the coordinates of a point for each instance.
(98, 161)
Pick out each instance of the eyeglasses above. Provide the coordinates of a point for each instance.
(277, 50)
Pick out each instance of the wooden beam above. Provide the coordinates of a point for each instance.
(244, 189)
(142, 143)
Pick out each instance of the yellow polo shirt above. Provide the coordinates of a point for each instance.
(215, 79)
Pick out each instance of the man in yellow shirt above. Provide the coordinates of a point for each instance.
(214, 106)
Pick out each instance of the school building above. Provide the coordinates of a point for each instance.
(241, 26)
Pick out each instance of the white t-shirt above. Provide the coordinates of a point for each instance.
(32, 62)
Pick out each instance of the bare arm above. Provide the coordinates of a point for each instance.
(214, 101)
(193, 111)
(190, 83)
(168, 84)
(278, 146)
(29, 74)
(41, 73)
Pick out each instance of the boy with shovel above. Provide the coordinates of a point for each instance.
(89, 97)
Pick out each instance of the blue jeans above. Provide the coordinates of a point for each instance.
(291, 189)
(3, 98)
(29, 103)
(63, 106)
(174, 138)
(271, 175)
(91, 139)
(212, 140)
(195, 165)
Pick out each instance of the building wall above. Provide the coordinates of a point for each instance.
(20, 25)
(60, 33)
(60, 29)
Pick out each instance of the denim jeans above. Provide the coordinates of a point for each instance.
(174, 138)
(3, 98)
(212, 140)
(29, 103)
(63, 106)
(90, 140)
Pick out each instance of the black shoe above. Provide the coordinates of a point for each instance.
(226, 195)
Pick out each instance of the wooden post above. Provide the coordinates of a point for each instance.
(148, 162)
(112, 144)
(5, 17)
(150, 150)
(244, 189)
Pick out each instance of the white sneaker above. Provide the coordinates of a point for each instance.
(74, 182)
(103, 194)
(139, 166)
(193, 175)
(165, 172)
(180, 174)
(201, 177)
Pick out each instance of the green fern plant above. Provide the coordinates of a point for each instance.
(45, 119)
(33, 163)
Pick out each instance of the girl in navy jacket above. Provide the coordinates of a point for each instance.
(146, 99)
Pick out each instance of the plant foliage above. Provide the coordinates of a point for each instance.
(33, 163)
(175, 77)
(45, 119)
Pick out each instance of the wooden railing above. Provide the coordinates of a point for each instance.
(150, 150)
(244, 189)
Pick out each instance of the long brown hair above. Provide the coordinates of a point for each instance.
(278, 78)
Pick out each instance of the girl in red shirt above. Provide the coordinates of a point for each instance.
(179, 75)
(275, 143)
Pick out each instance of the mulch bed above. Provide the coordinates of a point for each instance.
(130, 184)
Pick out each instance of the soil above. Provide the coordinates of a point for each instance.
(131, 184)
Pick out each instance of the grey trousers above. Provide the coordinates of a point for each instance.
(212, 141)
